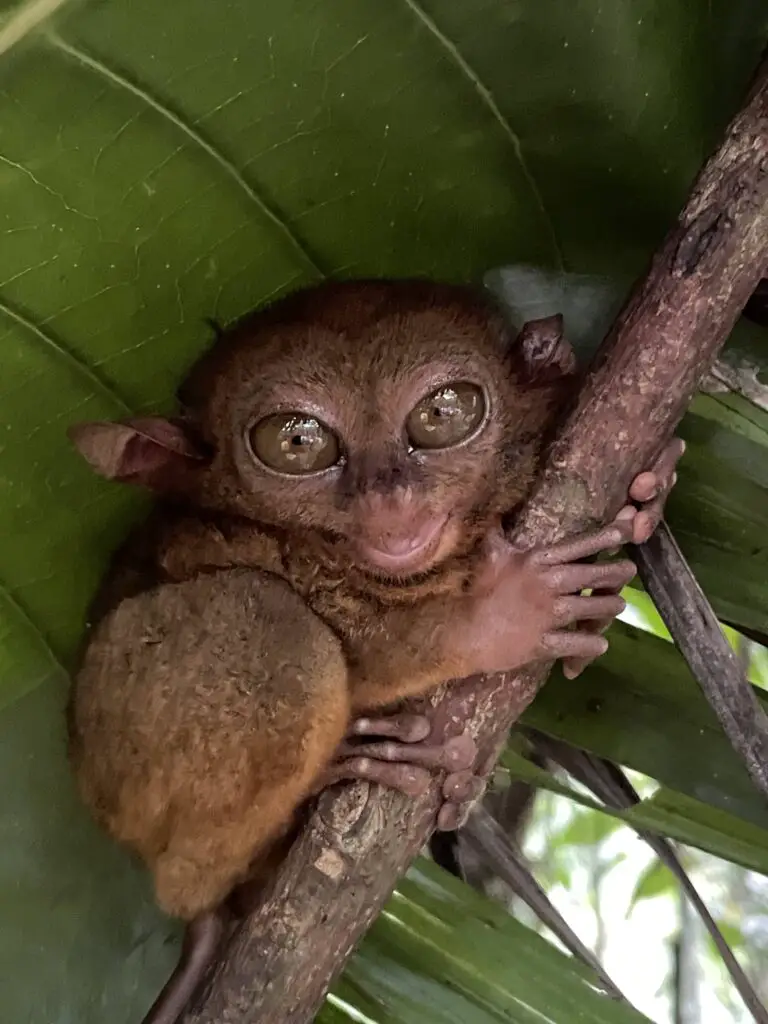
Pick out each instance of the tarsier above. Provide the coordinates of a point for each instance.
(329, 538)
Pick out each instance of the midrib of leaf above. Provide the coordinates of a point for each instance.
(118, 80)
(486, 96)
(25, 19)
(94, 382)
(348, 1010)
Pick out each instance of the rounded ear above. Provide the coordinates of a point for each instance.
(543, 352)
(146, 450)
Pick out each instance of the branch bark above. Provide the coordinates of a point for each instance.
(361, 838)
(714, 664)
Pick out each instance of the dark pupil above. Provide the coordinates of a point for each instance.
(306, 435)
(303, 441)
(294, 443)
(446, 416)
(448, 406)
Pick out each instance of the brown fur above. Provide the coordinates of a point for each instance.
(238, 630)
(215, 733)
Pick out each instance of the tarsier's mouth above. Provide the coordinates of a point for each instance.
(407, 553)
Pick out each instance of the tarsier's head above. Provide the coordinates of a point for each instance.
(395, 419)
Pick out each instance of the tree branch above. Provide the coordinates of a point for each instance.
(714, 664)
(346, 862)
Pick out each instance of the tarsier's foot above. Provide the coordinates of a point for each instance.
(406, 761)
(649, 491)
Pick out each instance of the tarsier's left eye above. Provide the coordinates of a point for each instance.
(294, 443)
(447, 416)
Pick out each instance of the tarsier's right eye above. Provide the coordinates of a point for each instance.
(294, 443)
(447, 416)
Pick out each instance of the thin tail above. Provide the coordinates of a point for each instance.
(202, 941)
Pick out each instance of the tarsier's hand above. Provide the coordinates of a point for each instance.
(528, 605)
(525, 602)
(649, 491)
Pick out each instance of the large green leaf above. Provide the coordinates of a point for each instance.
(666, 813)
(441, 954)
(80, 940)
(157, 170)
(640, 706)
(163, 163)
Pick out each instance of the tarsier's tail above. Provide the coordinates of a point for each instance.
(205, 935)
(203, 938)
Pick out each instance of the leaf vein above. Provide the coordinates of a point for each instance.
(75, 362)
(118, 80)
(22, 616)
(486, 97)
(46, 188)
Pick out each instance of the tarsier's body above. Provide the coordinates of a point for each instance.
(329, 541)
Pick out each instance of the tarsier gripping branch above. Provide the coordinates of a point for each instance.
(328, 539)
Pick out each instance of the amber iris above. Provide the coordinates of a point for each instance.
(447, 416)
(294, 443)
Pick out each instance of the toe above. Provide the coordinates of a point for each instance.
(407, 778)
(463, 787)
(461, 791)
(645, 522)
(459, 753)
(644, 487)
(404, 727)
(451, 817)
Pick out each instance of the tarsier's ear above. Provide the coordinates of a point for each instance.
(544, 352)
(141, 450)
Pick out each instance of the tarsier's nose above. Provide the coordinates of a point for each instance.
(398, 531)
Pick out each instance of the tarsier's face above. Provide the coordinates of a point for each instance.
(392, 470)
(387, 417)
(384, 428)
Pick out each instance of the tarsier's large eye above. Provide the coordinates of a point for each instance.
(294, 443)
(446, 416)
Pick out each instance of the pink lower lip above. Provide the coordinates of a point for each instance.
(409, 554)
